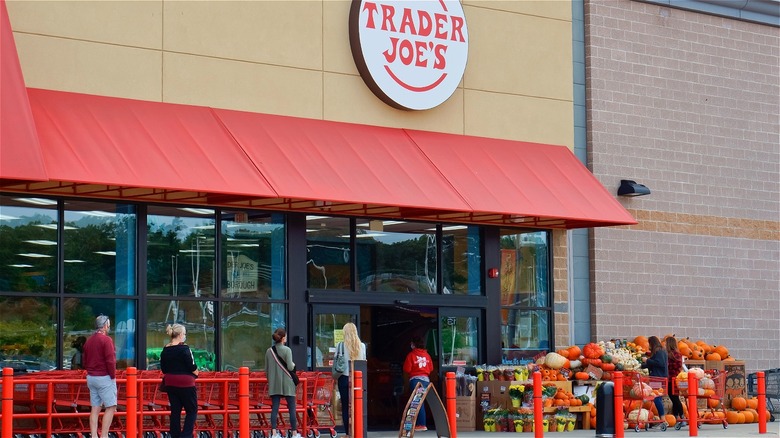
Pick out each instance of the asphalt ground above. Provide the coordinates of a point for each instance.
(705, 431)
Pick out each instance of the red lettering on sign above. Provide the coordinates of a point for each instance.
(387, 17)
(371, 8)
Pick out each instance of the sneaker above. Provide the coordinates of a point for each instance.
(420, 428)
(296, 435)
(276, 435)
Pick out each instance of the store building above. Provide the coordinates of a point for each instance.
(225, 165)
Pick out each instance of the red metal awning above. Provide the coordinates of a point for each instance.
(341, 163)
(532, 183)
(121, 145)
(20, 152)
(148, 151)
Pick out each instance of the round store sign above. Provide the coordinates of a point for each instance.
(411, 54)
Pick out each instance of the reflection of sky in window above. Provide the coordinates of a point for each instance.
(18, 216)
(188, 225)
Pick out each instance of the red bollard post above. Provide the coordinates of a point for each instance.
(761, 390)
(693, 406)
(452, 406)
(357, 406)
(538, 412)
(8, 402)
(243, 401)
(132, 402)
(617, 379)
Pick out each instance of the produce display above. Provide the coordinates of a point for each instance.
(595, 362)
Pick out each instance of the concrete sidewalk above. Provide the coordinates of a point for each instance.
(706, 431)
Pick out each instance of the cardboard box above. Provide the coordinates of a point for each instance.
(494, 393)
(466, 413)
(736, 381)
(690, 363)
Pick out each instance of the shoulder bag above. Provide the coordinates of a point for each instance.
(279, 361)
(339, 362)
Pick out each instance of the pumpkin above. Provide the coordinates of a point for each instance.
(670, 419)
(640, 390)
(752, 403)
(696, 371)
(642, 341)
(592, 351)
(731, 417)
(564, 352)
(713, 403)
(684, 349)
(608, 366)
(722, 351)
(713, 356)
(697, 354)
(574, 352)
(581, 375)
(748, 416)
(638, 415)
(707, 383)
(555, 361)
(575, 364)
(738, 403)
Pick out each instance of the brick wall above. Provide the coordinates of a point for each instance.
(687, 104)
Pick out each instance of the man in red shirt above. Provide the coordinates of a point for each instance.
(99, 359)
(418, 365)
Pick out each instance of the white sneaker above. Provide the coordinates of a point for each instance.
(276, 435)
(296, 435)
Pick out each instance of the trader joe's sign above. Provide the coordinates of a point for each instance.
(411, 54)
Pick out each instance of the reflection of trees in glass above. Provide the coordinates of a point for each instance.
(179, 258)
(94, 273)
(14, 234)
(27, 329)
(404, 266)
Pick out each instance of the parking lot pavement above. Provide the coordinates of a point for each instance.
(706, 431)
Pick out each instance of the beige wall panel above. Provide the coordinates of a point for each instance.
(519, 54)
(286, 33)
(519, 118)
(337, 52)
(221, 83)
(85, 67)
(559, 10)
(129, 23)
(348, 99)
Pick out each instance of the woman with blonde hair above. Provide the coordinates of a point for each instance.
(352, 349)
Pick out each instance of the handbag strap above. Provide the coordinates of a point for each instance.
(281, 362)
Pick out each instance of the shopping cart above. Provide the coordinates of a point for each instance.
(319, 387)
(641, 387)
(771, 389)
(711, 388)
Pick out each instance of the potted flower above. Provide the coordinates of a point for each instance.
(570, 420)
(516, 394)
(560, 423)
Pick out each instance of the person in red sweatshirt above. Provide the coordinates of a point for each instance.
(99, 359)
(418, 365)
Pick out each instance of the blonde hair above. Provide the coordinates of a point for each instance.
(352, 341)
(174, 330)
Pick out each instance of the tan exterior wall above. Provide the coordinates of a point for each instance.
(687, 104)
(293, 58)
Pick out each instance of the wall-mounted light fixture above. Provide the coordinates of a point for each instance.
(492, 273)
(632, 188)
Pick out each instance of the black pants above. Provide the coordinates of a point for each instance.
(188, 399)
(677, 408)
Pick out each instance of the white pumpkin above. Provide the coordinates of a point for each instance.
(555, 360)
(638, 415)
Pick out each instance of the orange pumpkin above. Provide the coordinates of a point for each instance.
(684, 349)
(564, 352)
(712, 403)
(581, 376)
(752, 403)
(642, 341)
(697, 354)
(722, 351)
(748, 416)
(738, 403)
(731, 417)
(574, 352)
(713, 356)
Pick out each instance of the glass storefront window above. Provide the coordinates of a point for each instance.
(80, 314)
(461, 260)
(196, 315)
(328, 253)
(526, 304)
(246, 333)
(100, 245)
(396, 256)
(180, 251)
(28, 244)
(523, 330)
(253, 255)
(460, 340)
(28, 333)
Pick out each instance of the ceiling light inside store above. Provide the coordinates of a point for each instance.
(5, 217)
(96, 213)
(197, 210)
(42, 242)
(21, 266)
(107, 253)
(74, 261)
(54, 227)
(37, 201)
(34, 255)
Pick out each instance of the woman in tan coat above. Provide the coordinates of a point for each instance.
(280, 383)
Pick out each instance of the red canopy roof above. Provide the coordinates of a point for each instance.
(20, 153)
(148, 151)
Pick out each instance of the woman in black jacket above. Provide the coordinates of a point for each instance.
(179, 373)
(657, 365)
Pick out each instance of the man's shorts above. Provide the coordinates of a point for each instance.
(102, 391)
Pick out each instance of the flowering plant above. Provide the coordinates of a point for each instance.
(516, 391)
